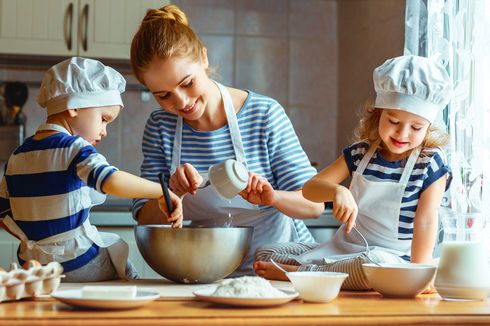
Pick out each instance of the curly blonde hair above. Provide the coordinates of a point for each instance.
(369, 122)
(163, 33)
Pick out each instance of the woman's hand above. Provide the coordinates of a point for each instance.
(258, 191)
(186, 179)
(344, 207)
(176, 217)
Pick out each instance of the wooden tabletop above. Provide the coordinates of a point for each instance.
(350, 308)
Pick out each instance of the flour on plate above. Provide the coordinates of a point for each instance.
(248, 287)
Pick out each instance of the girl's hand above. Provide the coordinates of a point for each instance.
(345, 207)
(258, 191)
(186, 179)
(176, 217)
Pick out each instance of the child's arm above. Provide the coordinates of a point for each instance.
(123, 184)
(426, 221)
(325, 187)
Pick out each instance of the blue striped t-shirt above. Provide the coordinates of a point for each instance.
(45, 190)
(271, 147)
(429, 167)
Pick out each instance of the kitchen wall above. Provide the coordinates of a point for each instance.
(314, 56)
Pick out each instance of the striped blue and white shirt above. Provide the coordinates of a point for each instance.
(429, 167)
(271, 147)
(45, 190)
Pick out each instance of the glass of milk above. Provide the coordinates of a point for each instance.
(464, 270)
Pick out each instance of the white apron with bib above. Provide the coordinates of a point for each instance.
(378, 218)
(208, 208)
(52, 247)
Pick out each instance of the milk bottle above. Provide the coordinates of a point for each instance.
(464, 270)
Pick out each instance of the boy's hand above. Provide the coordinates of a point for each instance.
(176, 217)
(186, 179)
(258, 191)
(345, 207)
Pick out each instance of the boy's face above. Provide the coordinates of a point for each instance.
(401, 132)
(91, 123)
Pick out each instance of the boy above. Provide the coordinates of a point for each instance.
(53, 179)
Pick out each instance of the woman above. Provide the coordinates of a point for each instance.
(203, 123)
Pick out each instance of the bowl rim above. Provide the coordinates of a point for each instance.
(167, 226)
(400, 266)
(317, 274)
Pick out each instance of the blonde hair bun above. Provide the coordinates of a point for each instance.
(171, 12)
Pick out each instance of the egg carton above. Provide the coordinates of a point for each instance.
(31, 281)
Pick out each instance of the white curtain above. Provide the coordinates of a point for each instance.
(457, 34)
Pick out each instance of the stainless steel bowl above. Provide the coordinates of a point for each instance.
(193, 254)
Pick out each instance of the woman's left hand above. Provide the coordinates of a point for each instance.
(258, 191)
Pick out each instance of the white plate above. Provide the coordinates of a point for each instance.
(450, 293)
(74, 298)
(206, 295)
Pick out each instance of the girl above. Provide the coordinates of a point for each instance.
(398, 174)
(201, 123)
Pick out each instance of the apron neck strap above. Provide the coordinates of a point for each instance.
(232, 120)
(407, 171)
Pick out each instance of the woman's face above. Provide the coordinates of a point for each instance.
(179, 85)
(401, 132)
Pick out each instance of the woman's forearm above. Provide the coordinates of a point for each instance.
(293, 204)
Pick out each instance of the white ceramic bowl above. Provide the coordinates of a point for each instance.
(317, 286)
(399, 279)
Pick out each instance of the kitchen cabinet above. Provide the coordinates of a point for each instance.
(101, 29)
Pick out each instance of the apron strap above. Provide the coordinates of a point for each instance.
(367, 157)
(407, 171)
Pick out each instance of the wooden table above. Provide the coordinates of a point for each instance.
(350, 308)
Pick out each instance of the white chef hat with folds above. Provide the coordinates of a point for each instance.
(78, 83)
(414, 84)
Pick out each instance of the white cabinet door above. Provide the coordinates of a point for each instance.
(91, 28)
(107, 26)
(45, 27)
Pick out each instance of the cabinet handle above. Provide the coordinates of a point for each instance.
(84, 21)
(67, 26)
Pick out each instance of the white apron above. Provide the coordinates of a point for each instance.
(378, 218)
(207, 208)
(50, 248)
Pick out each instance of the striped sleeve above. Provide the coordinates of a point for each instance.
(290, 165)
(354, 154)
(91, 167)
(436, 168)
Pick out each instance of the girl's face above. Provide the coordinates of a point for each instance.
(401, 132)
(180, 85)
(91, 123)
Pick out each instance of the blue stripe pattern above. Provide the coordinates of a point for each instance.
(271, 146)
(60, 166)
(429, 167)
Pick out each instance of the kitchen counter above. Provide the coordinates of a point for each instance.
(350, 308)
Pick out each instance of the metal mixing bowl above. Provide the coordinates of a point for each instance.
(193, 254)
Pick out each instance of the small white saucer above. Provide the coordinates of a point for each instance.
(74, 298)
(206, 295)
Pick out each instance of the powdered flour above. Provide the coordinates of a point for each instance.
(248, 287)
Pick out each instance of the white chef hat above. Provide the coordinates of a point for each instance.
(78, 83)
(414, 84)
